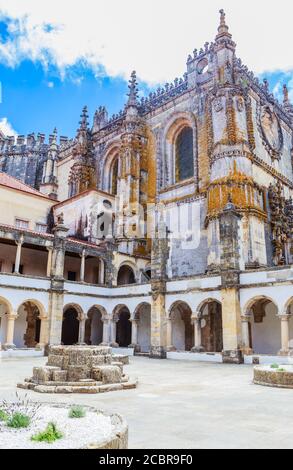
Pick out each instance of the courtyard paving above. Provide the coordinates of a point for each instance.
(183, 405)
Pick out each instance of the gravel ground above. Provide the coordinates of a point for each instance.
(77, 432)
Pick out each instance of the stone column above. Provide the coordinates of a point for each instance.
(245, 320)
(113, 327)
(106, 331)
(19, 244)
(56, 299)
(44, 333)
(101, 272)
(197, 348)
(284, 335)
(169, 345)
(134, 335)
(49, 261)
(82, 266)
(231, 316)
(10, 331)
(81, 331)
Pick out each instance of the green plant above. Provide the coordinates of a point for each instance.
(51, 434)
(275, 366)
(77, 412)
(281, 370)
(18, 420)
(3, 416)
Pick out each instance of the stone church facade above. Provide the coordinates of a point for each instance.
(166, 228)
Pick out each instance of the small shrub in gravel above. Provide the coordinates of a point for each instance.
(275, 366)
(50, 435)
(77, 412)
(3, 416)
(18, 421)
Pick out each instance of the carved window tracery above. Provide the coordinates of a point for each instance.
(184, 164)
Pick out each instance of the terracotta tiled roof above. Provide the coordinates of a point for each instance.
(10, 182)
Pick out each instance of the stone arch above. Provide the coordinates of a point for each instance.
(172, 131)
(142, 315)
(288, 307)
(122, 317)
(288, 310)
(210, 313)
(5, 310)
(126, 274)
(264, 325)
(263, 298)
(72, 315)
(112, 154)
(27, 327)
(182, 334)
(94, 325)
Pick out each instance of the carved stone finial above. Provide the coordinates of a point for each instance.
(133, 91)
(223, 28)
(84, 119)
(60, 219)
(266, 84)
(286, 94)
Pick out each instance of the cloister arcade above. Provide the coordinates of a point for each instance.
(267, 328)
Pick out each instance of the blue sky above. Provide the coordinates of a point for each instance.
(36, 100)
(54, 59)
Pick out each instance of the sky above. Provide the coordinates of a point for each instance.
(58, 55)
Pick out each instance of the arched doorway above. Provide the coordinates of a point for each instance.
(182, 329)
(143, 318)
(94, 327)
(264, 326)
(123, 328)
(125, 276)
(27, 326)
(70, 326)
(211, 326)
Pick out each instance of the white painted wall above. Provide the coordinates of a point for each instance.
(144, 330)
(96, 329)
(178, 331)
(266, 336)
(20, 326)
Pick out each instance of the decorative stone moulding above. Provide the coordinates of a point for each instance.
(80, 369)
(281, 377)
(270, 130)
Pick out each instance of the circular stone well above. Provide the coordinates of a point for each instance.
(281, 377)
(97, 430)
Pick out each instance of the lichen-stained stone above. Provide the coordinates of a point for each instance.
(55, 360)
(85, 369)
(110, 374)
(110, 388)
(59, 376)
(76, 373)
(43, 374)
(120, 358)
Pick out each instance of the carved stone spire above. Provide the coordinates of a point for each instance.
(133, 91)
(53, 145)
(84, 119)
(223, 29)
(286, 101)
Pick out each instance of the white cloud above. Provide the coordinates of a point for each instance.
(6, 127)
(154, 36)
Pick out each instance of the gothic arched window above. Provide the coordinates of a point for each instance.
(184, 164)
(114, 177)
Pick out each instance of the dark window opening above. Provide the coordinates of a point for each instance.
(184, 155)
